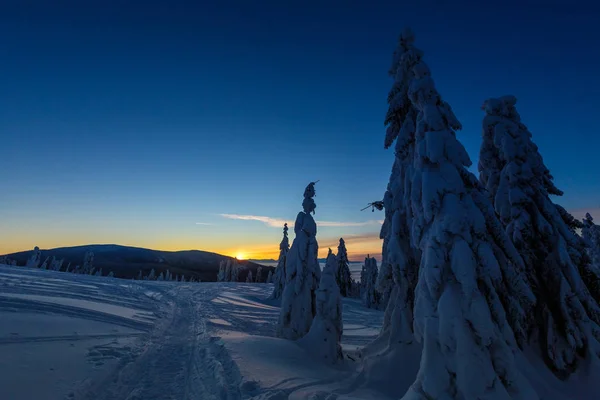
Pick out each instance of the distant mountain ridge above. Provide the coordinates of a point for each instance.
(126, 261)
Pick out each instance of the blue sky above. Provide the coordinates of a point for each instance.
(130, 122)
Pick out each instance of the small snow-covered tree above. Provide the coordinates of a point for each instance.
(343, 276)
(280, 271)
(77, 269)
(591, 237)
(249, 277)
(259, 275)
(152, 275)
(161, 276)
(35, 259)
(567, 315)
(98, 273)
(469, 296)
(325, 334)
(221, 274)
(45, 263)
(56, 265)
(302, 273)
(370, 296)
(88, 262)
(270, 277)
(168, 276)
(111, 274)
(235, 271)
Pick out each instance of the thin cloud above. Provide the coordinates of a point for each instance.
(273, 222)
(203, 223)
(278, 223)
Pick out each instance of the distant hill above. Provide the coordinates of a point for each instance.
(126, 262)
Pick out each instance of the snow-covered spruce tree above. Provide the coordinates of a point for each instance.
(161, 276)
(35, 259)
(259, 275)
(151, 275)
(227, 271)
(221, 274)
(68, 269)
(302, 274)
(370, 296)
(470, 299)
(325, 334)
(400, 259)
(235, 271)
(280, 271)
(567, 316)
(111, 274)
(591, 237)
(56, 265)
(45, 263)
(270, 277)
(342, 274)
(88, 262)
(249, 277)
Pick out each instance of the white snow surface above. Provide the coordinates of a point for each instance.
(87, 337)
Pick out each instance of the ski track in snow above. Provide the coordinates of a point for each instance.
(131, 340)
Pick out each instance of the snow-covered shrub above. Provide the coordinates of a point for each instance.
(325, 334)
(302, 273)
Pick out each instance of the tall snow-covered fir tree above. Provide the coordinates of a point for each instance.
(342, 274)
(399, 265)
(258, 274)
(325, 334)
(279, 277)
(270, 277)
(370, 296)
(45, 263)
(35, 259)
(249, 278)
(566, 321)
(302, 274)
(470, 298)
(591, 236)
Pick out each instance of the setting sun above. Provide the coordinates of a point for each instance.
(240, 256)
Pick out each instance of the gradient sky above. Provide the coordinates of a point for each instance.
(142, 123)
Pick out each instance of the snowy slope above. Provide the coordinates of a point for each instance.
(87, 337)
